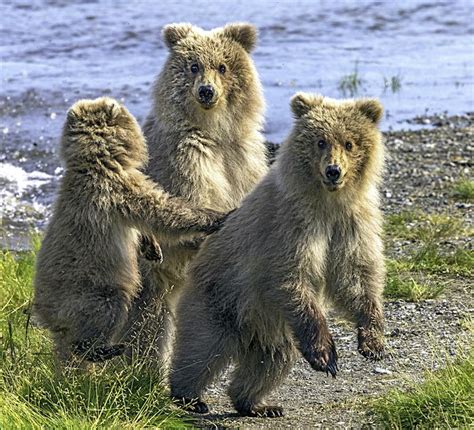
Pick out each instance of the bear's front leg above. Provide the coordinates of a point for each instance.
(371, 340)
(310, 328)
(366, 295)
(358, 293)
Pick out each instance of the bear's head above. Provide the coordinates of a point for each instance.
(337, 143)
(102, 132)
(209, 71)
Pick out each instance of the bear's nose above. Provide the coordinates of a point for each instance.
(333, 172)
(206, 93)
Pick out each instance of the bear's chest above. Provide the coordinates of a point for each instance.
(217, 176)
(208, 182)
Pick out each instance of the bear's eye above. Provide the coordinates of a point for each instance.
(349, 146)
(222, 69)
(194, 68)
(322, 144)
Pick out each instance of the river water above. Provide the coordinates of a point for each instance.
(416, 56)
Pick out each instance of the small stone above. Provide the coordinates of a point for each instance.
(53, 115)
(382, 371)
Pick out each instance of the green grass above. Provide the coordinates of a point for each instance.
(428, 232)
(400, 286)
(444, 400)
(422, 227)
(464, 190)
(351, 83)
(34, 395)
(394, 83)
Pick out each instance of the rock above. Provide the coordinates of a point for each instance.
(382, 371)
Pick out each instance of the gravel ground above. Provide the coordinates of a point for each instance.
(421, 169)
(419, 337)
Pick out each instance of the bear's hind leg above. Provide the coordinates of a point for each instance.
(149, 328)
(201, 353)
(260, 369)
(95, 319)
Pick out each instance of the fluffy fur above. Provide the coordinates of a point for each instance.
(87, 271)
(255, 291)
(210, 152)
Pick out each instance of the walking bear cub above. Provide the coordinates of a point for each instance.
(311, 228)
(87, 271)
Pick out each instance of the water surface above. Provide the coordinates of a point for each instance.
(54, 52)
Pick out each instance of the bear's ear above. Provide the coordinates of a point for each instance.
(242, 33)
(301, 103)
(173, 33)
(371, 108)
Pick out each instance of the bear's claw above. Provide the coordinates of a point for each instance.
(262, 411)
(191, 405)
(98, 353)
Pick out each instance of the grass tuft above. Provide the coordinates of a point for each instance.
(464, 190)
(427, 233)
(394, 83)
(350, 84)
(443, 400)
(400, 287)
(34, 395)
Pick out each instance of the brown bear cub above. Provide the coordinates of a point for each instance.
(87, 271)
(206, 146)
(310, 229)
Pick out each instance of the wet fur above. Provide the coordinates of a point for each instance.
(255, 291)
(210, 157)
(87, 271)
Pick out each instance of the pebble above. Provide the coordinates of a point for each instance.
(382, 371)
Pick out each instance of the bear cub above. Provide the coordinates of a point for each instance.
(204, 137)
(87, 271)
(310, 230)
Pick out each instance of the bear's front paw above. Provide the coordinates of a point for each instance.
(371, 344)
(323, 357)
(150, 249)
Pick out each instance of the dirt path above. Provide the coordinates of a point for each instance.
(419, 337)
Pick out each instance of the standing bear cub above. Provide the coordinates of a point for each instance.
(310, 229)
(87, 271)
(205, 143)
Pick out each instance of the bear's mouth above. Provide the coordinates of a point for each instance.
(333, 185)
(207, 105)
